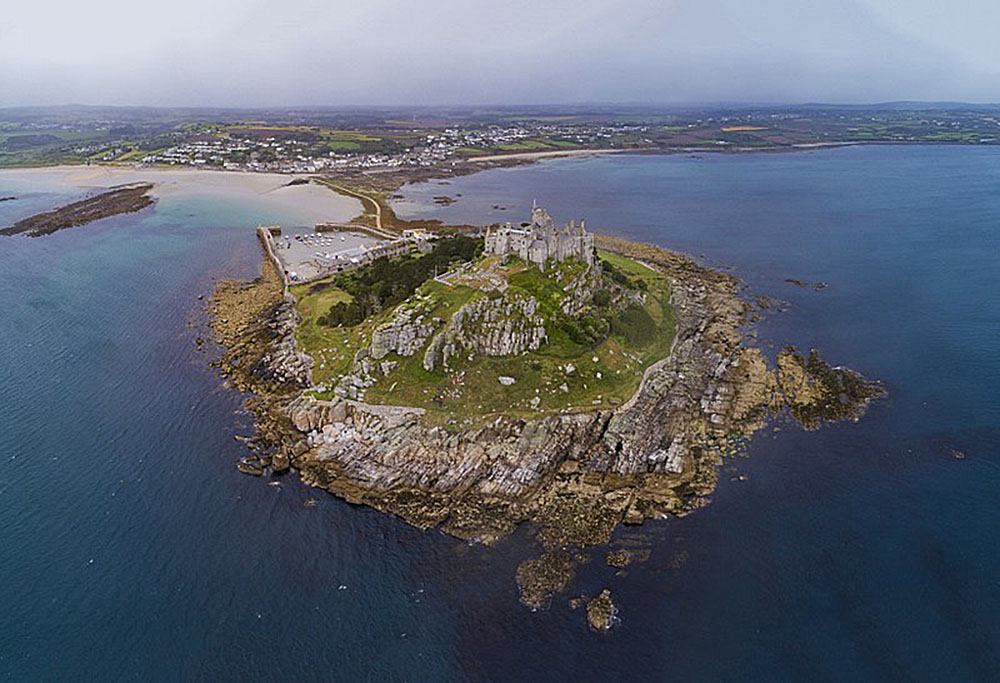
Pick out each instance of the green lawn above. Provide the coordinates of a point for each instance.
(628, 265)
(331, 347)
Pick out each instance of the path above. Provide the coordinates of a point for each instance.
(352, 193)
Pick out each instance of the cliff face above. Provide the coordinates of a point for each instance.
(502, 325)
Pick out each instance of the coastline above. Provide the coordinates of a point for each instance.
(312, 202)
(547, 154)
(345, 196)
(575, 477)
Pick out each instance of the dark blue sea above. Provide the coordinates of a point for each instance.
(132, 549)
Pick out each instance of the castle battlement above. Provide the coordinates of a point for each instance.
(541, 240)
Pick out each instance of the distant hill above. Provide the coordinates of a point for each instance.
(19, 142)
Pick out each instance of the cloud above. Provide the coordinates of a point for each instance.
(251, 52)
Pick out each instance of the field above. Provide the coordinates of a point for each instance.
(331, 347)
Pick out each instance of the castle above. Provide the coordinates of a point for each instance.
(541, 240)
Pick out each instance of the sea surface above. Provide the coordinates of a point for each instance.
(132, 549)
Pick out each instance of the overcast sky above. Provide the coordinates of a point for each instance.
(340, 52)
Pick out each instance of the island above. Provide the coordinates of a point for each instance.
(475, 380)
(118, 200)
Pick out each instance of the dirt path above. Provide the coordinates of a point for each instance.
(363, 197)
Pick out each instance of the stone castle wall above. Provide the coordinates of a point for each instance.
(541, 240)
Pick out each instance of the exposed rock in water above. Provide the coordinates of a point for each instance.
(251, 468)
(619, 558)
(119, 200)
(538, 580)
(601, 612)
(814, 391)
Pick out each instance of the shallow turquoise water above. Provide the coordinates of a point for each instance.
(132, 548)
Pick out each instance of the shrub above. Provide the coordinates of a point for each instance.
(385, 283)
(635, 325)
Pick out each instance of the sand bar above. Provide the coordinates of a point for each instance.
(542, 155)
(312, 203)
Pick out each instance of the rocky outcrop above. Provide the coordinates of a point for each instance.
(500, 324)
(285, 362)
(408, 330)
(117, 200)
(601, 612)
(580, 291)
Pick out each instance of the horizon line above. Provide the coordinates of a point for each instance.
(735, 104)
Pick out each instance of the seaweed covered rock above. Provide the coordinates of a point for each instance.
(541, 578)
(814, 391)
(601, 612)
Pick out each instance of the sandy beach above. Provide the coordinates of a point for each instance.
(313, 203)
(542, 155)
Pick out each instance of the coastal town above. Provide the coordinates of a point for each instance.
(229, 149)
(333, 140)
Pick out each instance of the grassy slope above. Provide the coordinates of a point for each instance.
(332, 348)
(471, 390)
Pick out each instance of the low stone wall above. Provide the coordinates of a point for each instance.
(264, 235)
(377, 233)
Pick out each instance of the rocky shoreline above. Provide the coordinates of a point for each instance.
(575, 476)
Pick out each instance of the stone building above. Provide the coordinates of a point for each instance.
(541, 240)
